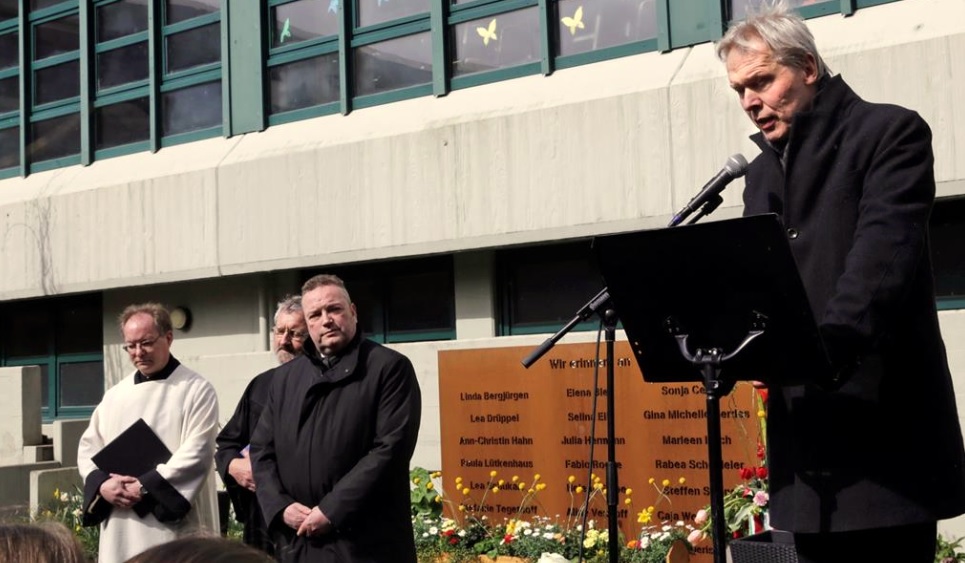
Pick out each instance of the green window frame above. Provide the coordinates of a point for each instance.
(54, 352)
(540, 288)
(406, 300)
(10, 120)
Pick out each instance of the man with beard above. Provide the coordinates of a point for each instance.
(232, 458)
(331, 452)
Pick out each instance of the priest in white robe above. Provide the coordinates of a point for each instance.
(176, 497)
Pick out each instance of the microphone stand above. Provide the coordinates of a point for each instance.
(609, 317)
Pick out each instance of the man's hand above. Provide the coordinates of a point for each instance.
(116, 491)
(295, 514)
(315, 524)
(240, 471)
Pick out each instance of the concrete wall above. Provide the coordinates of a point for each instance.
(19, 412)
(599, 148)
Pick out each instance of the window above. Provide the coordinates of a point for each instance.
(9, 86)
(63, 336)
(542, 287)
(947, 230)
(402, 300)
(54, 133)
(590, 26)
(303, 60)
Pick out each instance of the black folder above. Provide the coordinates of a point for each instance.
(133, 452)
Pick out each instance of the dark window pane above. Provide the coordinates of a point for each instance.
(371, 12)
(180, 10)
(739, 7)
(589, 26)
(36, 5)
(421, 302)
(8, 9)
(57, 83)
(81, 384)
(546, 285)
(121, 19)
(79, 322)
(121, 124)
(305, 83)
(55, 138)
(192, 48)
(10, 94)
(9, 147)
(947, 230)
(122, 66)
(367, 297)
(498, 41)
(304, 20)
(189, 109)
(9, 50)
(27, 331)
(56, 37)
(393, 64)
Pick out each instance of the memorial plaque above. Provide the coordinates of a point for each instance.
(498, 416)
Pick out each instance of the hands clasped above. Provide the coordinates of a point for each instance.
(306, 521)
(123, 491)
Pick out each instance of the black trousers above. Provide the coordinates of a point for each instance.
(904, 544)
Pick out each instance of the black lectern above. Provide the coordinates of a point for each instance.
(692, 298)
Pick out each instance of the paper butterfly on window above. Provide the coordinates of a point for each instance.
(333, 7)
(488, 33)
(286, 31)
(574, 22)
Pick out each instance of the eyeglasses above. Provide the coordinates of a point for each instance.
(289, 333)
(146, 345)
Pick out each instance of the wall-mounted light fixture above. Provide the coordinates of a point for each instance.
(181, 318)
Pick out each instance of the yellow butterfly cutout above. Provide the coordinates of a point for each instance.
(488, 33)
(575, 22)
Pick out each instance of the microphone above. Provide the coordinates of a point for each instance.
(735, 167)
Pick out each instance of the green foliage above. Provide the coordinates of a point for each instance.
(948, 550)
(424, 498)
(68, 509)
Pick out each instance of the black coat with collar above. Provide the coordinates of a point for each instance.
(341, 438)
(883, 446)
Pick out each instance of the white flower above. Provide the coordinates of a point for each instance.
(645, 542)
(552, 558)
(433, 530)
(64, 497)
(548, 535)
(461, 533)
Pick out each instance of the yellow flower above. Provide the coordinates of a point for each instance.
(652, 481)
(521, 486)
(502, 482)
(650, 509)
(532, 491)
(579, 489)
(465, 490)
(598, 486)
(492, 473)
(495, 489)
(56, 494)
(536, 477)
(629, 491)
(435, 474)
(515, 478)
(643, 517)
(416, 480)
(761, 413)
(429, 486)
(682, 480)
(458, 480)
(627, 501)
(541, 486)
(462, 508)
(571, 479)
(438, 499)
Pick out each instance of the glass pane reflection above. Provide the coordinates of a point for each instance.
(499, 41)
(303, 84)
(304, 20)
(588, 26)
(393, 64)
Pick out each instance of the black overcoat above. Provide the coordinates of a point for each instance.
(341, 438)
(234, 437)
(882, 446)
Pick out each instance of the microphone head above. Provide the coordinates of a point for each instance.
(736, 165)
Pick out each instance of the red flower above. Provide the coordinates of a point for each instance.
(453, 541)
(747, 473)
(763, 393)
(736, 534)
(508, 538)
(448, 533)
(762, 473)
(760, 451)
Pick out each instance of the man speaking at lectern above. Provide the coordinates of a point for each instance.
(864, 464)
